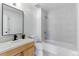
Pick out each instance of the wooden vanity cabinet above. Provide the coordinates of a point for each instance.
(29, 52)
(24, 50)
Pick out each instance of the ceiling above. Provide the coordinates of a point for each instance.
(54, 6)
(48, 6)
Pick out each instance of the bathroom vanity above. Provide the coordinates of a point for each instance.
(19, 47)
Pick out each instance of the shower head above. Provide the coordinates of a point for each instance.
(37, 6)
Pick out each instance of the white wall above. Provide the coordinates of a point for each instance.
(18, 5)
(32, 19)
(37, 16)
(78, 27)
(28, 19)
(62, 25)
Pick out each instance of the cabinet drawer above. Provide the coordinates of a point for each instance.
(19, 54)
(29, 52)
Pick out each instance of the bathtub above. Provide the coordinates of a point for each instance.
(53, 48)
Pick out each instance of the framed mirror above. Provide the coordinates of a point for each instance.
(12, 20)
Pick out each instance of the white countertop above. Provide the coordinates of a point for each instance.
(6, 46)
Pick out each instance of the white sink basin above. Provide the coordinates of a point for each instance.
(14, 44)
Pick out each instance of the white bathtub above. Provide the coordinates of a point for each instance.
(52, 48)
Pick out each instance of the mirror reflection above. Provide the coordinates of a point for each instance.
(12, 20)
